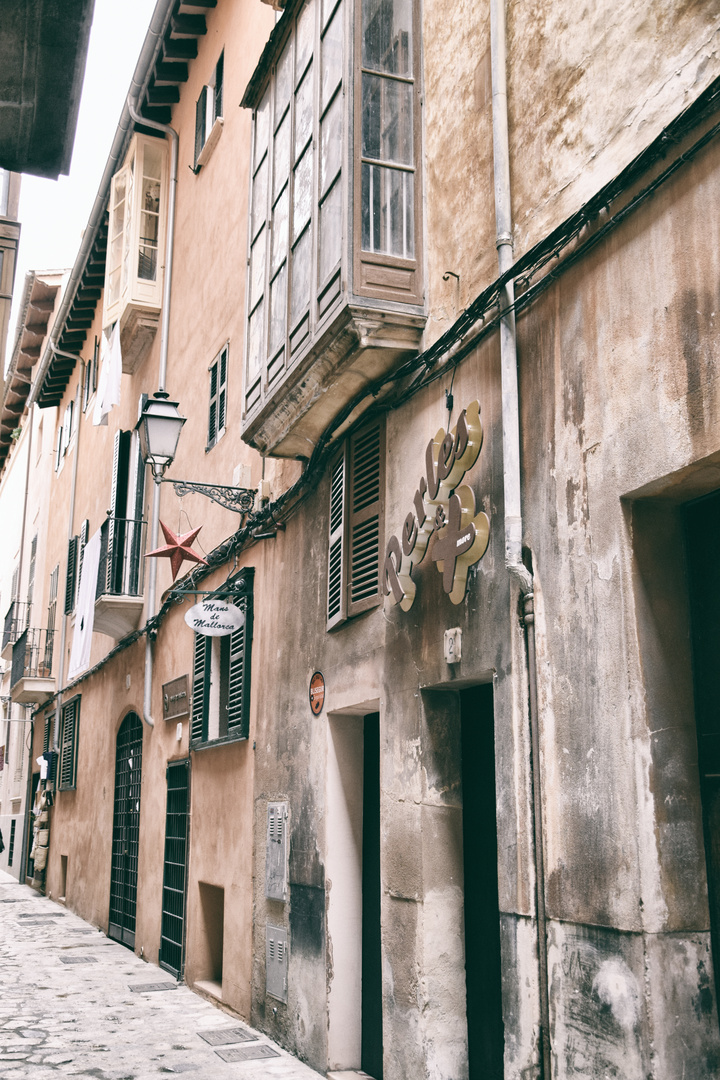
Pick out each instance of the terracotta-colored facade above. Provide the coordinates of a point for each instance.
(501, 865)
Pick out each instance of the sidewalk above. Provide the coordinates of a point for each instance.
(74, 1003)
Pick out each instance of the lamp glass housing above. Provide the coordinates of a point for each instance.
(159, 429)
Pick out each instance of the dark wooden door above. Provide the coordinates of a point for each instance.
(126, 831)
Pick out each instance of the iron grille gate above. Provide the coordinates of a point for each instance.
(126, 831)
(174, 872)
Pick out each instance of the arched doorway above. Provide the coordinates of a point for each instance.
(126, 831)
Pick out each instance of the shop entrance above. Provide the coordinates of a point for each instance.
(172, 934)
(355, 1037)
(126, 831)
(483, 978)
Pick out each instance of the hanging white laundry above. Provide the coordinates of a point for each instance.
(85, 608)
(108, 391)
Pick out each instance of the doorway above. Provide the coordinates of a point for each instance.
(355, 1038)
(702, 525)
(483, 973)
(126, 831)
(172, 933)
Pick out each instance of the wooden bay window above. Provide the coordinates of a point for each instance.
(334, 256)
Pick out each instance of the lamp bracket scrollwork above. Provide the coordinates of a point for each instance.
(241, 500)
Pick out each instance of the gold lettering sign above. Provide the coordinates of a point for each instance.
(444, 508)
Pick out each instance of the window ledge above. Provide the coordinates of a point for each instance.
(210, 143)
(360, 345)
(208, 744)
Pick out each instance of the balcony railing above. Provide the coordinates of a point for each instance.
(30, 656)
(122, 546)
(16, 620)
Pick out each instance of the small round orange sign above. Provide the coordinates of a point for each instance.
(317, 692)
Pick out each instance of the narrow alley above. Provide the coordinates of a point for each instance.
(74, 1003)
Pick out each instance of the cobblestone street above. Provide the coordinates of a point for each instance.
(74, 1003)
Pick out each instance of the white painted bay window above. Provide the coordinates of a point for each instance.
(136, 241)
(334, 211)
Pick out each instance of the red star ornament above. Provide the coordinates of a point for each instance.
(178, 549)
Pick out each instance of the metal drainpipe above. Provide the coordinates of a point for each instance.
(162, 378)
(71, 518)
(511, 479)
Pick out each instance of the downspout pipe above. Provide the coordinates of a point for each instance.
(511, 481)
(162, 379)
(71, 519)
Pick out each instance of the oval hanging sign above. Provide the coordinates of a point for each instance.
(317, 692)
(214, 618)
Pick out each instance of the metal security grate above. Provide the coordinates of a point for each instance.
(248, 1053)
(78, 960)
(174, 873)
(126, 831)
(224, 1036)
(11, 845)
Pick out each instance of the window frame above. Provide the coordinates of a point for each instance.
(68, 744)
(210, 103)
(202, 698)
(219, 398)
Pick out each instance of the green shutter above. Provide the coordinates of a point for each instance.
(336, 610)
(200, 688)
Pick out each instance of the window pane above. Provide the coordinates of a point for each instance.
(387, 120)
(262, 126)
(259, 196)
(387, 36)
(282, 156)
(303, 112)
(387, 211)
(280, 231)
(278, 311)
(283, 81)
(302, 192)
(332, 57)
(257, 269)
(300, 292)
(331, 143)
(305, 35)
(331, 232)
(152, 162)
(255, 342)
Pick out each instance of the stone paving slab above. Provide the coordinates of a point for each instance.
(86, 1019)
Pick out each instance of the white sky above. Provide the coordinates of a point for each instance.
(53, 213)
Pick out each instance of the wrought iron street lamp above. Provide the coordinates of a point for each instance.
(159, 430)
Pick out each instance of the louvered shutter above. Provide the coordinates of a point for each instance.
(237, 697)
(218, 102)
(337, 606)
(200, 688)
(70, 576)
(135, 512)
(200, 108)
(222, 391)
(212, 420)
(47, 734)
(365, 512)
(83, 539)
(68, 743)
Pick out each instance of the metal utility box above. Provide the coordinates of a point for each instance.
(276, 852)
(276, 962)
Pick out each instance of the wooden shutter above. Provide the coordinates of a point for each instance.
(47, 733)
(212, 420)
(70, 576)
(200, 108)
(200, 688)
(68, 743)
(31, 574)
(337, 607)
(365, 514)
(238, 697)
(218, 96)
(222, 390)
(83, 539)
